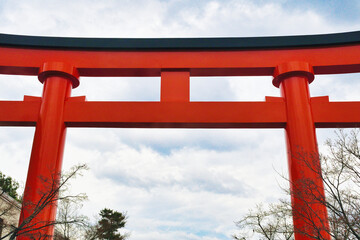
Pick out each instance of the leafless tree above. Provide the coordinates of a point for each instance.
(340, 173)
(73, 224)
(273, 223)
(30, 226)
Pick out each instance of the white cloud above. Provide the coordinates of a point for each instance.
(174, 184)
(162, 18)
(188, 190)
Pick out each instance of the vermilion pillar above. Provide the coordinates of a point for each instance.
(306, 185)
(47, 151)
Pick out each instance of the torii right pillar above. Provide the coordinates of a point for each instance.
(306, 185)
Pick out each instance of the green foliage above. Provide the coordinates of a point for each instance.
(9, 186)
(109, 224)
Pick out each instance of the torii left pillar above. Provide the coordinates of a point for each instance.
(39, 203)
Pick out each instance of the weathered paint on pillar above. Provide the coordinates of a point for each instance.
(306, 186)
(47, 151)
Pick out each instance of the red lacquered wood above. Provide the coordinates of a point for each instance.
(46, 157)
(175, 86)
(294, 67)
(306, 186)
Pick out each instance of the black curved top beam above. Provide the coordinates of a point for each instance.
(180, 43)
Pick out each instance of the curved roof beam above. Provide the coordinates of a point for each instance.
(220, 43)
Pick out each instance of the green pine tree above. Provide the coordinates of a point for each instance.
(109, 224)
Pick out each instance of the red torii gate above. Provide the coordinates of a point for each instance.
(292, 60)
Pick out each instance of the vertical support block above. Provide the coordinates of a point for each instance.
(41, 191)
(306, 186)
(175, 86)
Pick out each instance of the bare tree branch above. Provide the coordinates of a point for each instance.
(340, 173)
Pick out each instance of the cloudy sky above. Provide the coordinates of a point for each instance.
(173, 183)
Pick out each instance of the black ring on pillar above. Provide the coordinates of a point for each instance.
(290, 69)
(59, 69)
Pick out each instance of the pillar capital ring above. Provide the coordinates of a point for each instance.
(291, 69)
(59, 69)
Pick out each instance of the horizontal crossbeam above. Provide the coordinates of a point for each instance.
(326, 60)
(230, 43)
(176, 115)
(269, 114)
(335, 114)
(19, 113)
